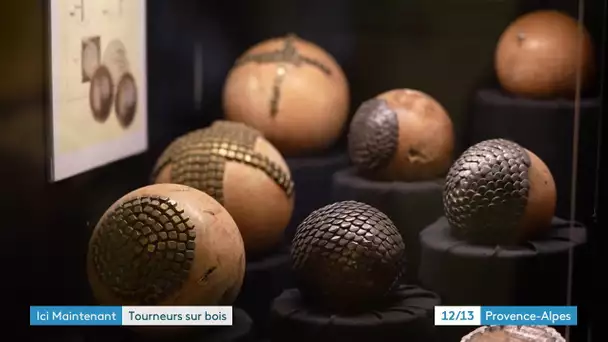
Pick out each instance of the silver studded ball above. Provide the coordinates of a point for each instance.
(486, 192)
(347, 256)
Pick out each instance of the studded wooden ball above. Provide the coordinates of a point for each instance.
(166, 244)
(498, 192)
(240, 169)
(347, 255)
(291, 90)
(514, 333)
(540, 54)
(401, 135)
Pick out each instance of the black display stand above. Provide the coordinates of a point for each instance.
(411, 206)
(265, 279)
(545, 127)
(534, 273)
(410, 318)
(312, 178)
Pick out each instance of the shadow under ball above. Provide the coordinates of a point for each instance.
(541, 54)
(292, 91)
(401, 135)
(347, 256)
(498, 192)
(166, 244)
(234, 164)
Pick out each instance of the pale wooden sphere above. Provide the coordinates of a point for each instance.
(541, 53)
(166, 244)
(402, 135)
(240, 169)
(292, 91)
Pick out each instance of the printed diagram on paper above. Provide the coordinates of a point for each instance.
(98, 88)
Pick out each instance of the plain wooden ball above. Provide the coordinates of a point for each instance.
(402, 135)
(541, 53)
(291, 90)
(166, 244)
(240, 169)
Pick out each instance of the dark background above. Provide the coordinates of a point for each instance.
(444, 48)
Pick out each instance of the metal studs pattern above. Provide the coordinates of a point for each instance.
(287, 55)
(373, 137)
(198, 158)
(347, 247)
(486, 191)
(144, 249)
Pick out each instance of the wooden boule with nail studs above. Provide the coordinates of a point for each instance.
(234, 164)
(498, 192)
(292, 91)
(401, 135)
(347, 256)
(166, 244)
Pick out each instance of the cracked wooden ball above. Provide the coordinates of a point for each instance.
(166, 244)
(539, 55)
(234, 164)
(292, 91)
(401, 135)
(347, 256)
(498, 192)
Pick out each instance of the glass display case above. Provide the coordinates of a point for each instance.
(306, 170)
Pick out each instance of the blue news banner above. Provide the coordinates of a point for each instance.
(506, 315)
(131, 315)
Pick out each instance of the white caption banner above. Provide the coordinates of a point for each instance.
(176, 315)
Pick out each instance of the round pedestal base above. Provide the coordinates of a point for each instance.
(546, 128)
(410, 319)
(312, 179)
(534, 273)
(265, 279)
(411, 206)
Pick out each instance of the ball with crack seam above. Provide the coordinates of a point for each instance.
(291, 90)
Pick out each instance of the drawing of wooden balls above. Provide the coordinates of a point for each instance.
(101, 94)
(401, 135)
(347, 255)
(539, 55)
(126, 100)
(166, 244)
(115, 59)
(292, 91)
(90, 57)
(240, 169)
(498, 192)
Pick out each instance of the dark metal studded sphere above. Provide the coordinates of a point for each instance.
(486, 191)
(198, 158)
(347, 255)
(373, 137)
(144, 249)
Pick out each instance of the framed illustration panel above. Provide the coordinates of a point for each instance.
(98, 83)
